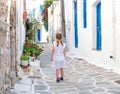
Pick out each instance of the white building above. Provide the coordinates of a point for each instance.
(92, 31)
(20, 28)
(54, 19)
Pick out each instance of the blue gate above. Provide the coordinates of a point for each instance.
(98, 26)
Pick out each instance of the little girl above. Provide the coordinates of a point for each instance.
(58, 56)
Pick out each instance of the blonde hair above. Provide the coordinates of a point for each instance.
(59, 38)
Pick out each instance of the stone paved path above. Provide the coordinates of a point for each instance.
(81, 77)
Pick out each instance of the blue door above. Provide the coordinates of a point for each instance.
(75, 24)
(38, 32)
(98, 26)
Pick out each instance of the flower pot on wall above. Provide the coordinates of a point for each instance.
(32, 58)
(24, 61)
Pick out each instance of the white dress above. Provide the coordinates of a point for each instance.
(58, 56)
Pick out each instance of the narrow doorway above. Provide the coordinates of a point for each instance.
(96, 26)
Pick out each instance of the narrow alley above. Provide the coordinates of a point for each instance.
(88, 30)
(81, 77)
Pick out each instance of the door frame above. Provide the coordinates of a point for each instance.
(94, 24)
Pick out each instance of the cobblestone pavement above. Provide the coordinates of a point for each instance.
(81, 77)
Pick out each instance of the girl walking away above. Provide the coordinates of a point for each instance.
(58, 56)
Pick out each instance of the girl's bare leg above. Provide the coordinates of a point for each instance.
(57, 73)
(62, 72)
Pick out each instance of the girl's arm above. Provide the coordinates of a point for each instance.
(52, 53)
(64, 52)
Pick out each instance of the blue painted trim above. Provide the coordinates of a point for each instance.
(38, 34)
(84, 14)
(98, 26)
(75, 24)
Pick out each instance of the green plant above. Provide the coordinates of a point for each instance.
(28, 24)
(30, 34)
(35, 24)
(38, 51)
(31, 28)
(24, 58)
(28, 48)
(31, 49)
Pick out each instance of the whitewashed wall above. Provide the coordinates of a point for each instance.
(20, 29)
(69, 22)
(116, 30)
(86, 40)
(57, 15)
(110, 33)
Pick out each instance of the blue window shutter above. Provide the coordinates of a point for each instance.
(75, 24)
(84, 14)
(98, 26)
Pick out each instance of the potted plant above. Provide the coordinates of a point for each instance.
(31, 49)
(24, 61)
(38, 51)
(28, 48)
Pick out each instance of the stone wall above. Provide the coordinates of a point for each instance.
(13, 35)
(4, 59)
(7, 45)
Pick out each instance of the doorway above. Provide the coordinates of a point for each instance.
(96, 26)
